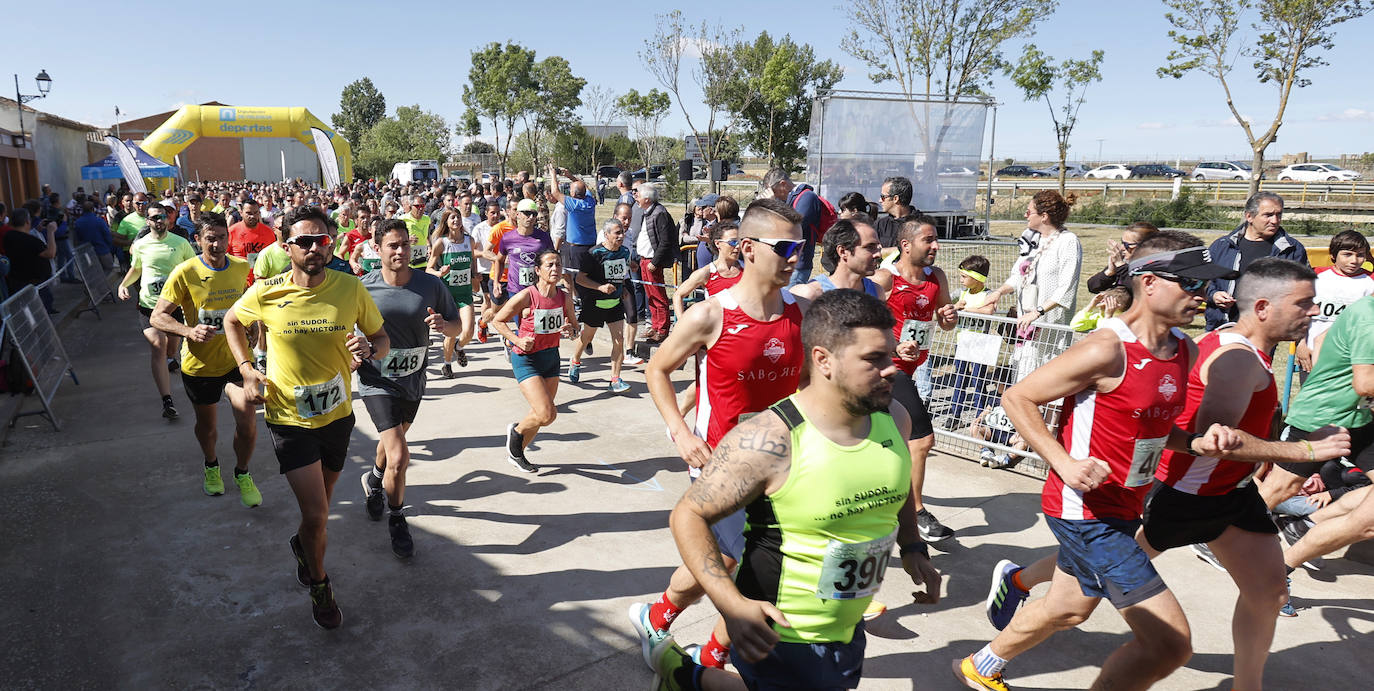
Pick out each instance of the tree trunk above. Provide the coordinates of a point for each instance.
(1063, 158)
(1257, 166)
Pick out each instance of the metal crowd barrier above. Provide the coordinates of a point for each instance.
(94, 278)
(37, 346)
(970, 366)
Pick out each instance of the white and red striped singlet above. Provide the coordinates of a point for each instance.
(752, 365)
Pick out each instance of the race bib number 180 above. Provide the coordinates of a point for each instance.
(547, 321)
(854, 569)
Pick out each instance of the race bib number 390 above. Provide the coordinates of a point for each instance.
(317, 399)
(153, 284)
(919, 331)
(854, 569)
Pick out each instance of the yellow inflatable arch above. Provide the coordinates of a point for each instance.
(193, 122)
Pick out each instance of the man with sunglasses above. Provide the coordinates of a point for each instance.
(206, 288)
(917, 293)
(895, 200)
(517, 250)
(1124, 387)
(133, 222)
(752, 336)
(310, 314)
(412, 303)
(152, 259)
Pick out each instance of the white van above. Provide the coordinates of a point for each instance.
(415, 171)
(1222, 170)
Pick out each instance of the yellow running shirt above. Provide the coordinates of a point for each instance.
(309, 381)
(205, 296)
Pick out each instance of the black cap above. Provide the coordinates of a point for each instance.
(1190, 262)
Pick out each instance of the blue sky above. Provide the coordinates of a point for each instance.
(292, 53)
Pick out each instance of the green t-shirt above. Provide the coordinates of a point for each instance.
(419, 247)
(131, 226)
(272, 260)
(1328, 396)
(157, 258)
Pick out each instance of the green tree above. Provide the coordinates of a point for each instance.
(361, 106)
(941, 50)
(622, 150)
(772, 96)
(478, 146)
(716, 71)
(412, 134)
(644, 113)
(556, 94)
(1062, 87)
(500, 88)
(1290, 35)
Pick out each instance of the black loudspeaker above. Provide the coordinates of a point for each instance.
(720, 171)
(684, 169)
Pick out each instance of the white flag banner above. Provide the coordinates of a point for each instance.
(329, 162)
(128, 165)
(975, 347)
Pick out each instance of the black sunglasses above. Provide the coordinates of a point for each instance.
(1189, 285)
(782, 248)
(306, 242)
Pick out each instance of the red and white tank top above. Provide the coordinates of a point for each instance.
(543, 319)
(1335, 291)
(1125, 427)
(716, 282)
(752, 365)
(1203, 475)
(913, 307)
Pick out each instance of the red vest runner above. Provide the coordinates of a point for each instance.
(913, 307)
(1125, 427)
(1203, 475)
(752, 365)
(543, 319)
(716, 282)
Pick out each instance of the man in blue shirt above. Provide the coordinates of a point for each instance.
(92, 229)
(581, 208)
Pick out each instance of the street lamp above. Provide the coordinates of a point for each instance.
(44, 85)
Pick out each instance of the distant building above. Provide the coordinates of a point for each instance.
(51, 153)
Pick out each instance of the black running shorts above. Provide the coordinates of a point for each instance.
(298, 447)
(390, 411)
(144, 313)
(1361, 450)
(904, 391)
(208, 390)
(1174, 518)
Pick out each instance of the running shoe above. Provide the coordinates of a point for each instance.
(169, 411)
(462, 358)
(875, 609)
(589, 348)
(302, 568)
(931, 529)
(965, 672)
(668, 659)
(693, 651)
(649, 637)
(1004, 461)
(374, 497)
(1287, 609)
(1003, 596)
(482, 334)
(323, 607)
(574, 372)
(632, 360)
(985, 457)
(448, 370)
(1204, 553)
(401, 543)
(214, 484)
(249, 495)
(618, 385)
(515, 454)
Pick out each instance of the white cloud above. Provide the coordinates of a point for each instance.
(1348, 115)
(1153, 126)
(694, 46)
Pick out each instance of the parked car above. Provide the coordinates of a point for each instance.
(1156, 170)
(1111, 171)
(609, 172)
(1312, 172)
(655, 172)
(1019, 171)
(1221, 170)
(957, 171)
(1071, 170)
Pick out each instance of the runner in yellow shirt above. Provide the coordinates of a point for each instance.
(152, 258)
(204, 289)
(310, 314)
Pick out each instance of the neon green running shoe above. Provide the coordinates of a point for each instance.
(248, 492)
(214, 485)
(667, 657)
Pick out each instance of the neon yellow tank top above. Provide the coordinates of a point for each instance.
(819, 546)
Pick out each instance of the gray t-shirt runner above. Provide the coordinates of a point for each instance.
(401, 373)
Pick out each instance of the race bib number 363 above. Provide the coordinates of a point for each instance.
(616, 270)
(317, 399)
(854, 569)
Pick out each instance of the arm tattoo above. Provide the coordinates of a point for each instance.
(739, 469)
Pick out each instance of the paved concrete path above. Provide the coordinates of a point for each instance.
(120, 573)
